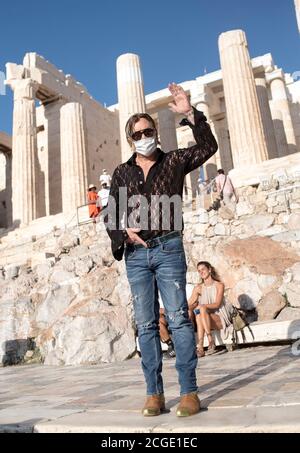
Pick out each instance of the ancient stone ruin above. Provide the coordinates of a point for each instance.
(64, 300)
(65, 139)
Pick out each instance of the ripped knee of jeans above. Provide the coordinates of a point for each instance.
(177, 318)
(143, 327)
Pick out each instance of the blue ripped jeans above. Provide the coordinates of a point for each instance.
(162, 268)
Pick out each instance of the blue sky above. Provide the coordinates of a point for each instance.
(176, 40)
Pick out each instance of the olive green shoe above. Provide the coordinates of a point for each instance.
(155, 404)
(189, 405)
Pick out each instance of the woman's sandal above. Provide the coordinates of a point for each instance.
(200, 351)
(211, 346)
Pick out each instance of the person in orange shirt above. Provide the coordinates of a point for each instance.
(93, 202)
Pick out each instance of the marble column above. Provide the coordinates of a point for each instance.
(74, 157)
(280, 136)
(225, 146)
(215, 131)
(211, 166)
(297, 6)
(8, 178)
(130, 95)
(243, 113)
(280, 102)
(167, 130)
(268, 125)
(3, 189)
(24, 152)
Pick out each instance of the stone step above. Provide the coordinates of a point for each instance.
(263, 419)
(16, 257)
(37, 228)
(21, 246)
(263, 332)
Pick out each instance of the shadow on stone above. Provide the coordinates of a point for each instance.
(16, 350)
(294, 333)
(247, 305)
(5, 231)
(249, 374)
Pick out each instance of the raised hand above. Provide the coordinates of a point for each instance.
(181, 103)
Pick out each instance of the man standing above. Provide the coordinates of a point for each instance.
(105, 178)
(103, 195)
(154, 253)
(225, 188)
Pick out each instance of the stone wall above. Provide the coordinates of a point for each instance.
(72, 308)
(64, 303)
(255, 248)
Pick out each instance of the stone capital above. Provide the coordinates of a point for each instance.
(24, 89)
(261, 80)
(232, 38)
(278, 74)
(200, 94)
(14, 72)
(201, 99)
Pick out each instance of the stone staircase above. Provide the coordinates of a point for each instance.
(36, 242)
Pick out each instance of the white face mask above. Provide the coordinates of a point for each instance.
(145, 146)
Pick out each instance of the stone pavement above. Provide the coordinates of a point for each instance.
(249, 390)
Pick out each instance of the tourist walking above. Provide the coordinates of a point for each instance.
(92, 200)
(225, 188)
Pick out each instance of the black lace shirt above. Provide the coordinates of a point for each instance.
(134, 202)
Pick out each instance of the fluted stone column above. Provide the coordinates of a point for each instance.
(225, 147)
(268, 125)
(3, 189)
(215, 131)
(74, 160)
(210, 166)
(24, 152)
(130, 94)
(297, 6)
(243, 114)
(281, 102)
(280, 136)
(167, 130)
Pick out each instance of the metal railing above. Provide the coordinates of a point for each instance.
(89, 220)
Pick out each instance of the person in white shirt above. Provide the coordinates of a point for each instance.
(105, 178)
(225, 188)
(103, 195)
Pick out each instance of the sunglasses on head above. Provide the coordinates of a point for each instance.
(149, 132)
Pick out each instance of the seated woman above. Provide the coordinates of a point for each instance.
(208, 304)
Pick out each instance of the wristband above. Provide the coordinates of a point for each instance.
(190, 112)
